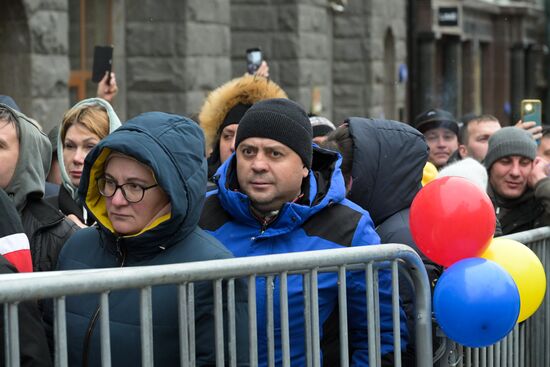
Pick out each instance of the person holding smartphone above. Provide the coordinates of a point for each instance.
(518, 185)
(223, 108)
(107, 87)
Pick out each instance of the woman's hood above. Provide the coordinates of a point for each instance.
(173, 147)
(114, 123)
(388, 161)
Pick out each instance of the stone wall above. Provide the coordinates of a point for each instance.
(359, 67)
(294, 36)
(48, 22)
(175, 53)
(169, 56)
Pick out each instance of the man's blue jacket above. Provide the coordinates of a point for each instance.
(321, 219)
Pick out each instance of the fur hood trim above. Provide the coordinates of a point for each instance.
(247, 89)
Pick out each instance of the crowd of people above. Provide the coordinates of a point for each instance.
(255, 175)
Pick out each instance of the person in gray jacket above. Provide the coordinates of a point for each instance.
(25, 156)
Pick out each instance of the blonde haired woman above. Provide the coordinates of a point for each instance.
(83, 126)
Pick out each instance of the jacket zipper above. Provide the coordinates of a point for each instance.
(265, 224)
(121, 255)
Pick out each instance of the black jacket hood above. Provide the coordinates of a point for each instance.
(388, 162)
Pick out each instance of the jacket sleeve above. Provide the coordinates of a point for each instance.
(14, 243)
(357, 303)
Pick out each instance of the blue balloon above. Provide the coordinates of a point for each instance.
(476, 302)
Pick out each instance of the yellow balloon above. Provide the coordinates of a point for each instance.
(429, 174)
(525, 268)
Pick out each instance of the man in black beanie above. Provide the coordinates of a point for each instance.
(279, 194)
(518, 185)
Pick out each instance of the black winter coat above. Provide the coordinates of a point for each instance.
(48, 230)
(388, 163)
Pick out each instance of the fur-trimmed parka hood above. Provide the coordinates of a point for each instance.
(247, 89)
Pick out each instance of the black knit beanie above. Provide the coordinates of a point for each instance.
(510, 141)
(282, 120)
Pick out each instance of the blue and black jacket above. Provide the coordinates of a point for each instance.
(173, 147)
(321, 219)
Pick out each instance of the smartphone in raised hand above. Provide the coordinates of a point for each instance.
(103, 62)
(531, 110)
(253, 59)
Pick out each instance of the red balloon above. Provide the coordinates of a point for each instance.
(452, 219)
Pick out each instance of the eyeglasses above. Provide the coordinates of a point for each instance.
(132, 192)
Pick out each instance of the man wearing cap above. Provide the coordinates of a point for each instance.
(518, 185)
(270, 201)
(441, 132)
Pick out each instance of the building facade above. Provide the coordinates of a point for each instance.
(478, 56)
(338, 58)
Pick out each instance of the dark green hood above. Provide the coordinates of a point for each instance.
(173, 147)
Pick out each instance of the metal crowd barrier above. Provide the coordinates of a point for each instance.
(528, 344)
(58, 285)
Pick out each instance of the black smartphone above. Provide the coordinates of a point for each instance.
(531, 110)
(103, 62)
(253, 59)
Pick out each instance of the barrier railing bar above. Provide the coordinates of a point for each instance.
(232, 326)
(497, 351)
(370, 314)
(104, 330)
(315, 318)
(60, 332)
(516, 346)
(522, 355)
(13, 326)
(146, 318)
(252, 331)
(396, 317)
(7, 339)
(377, 316)
(270, 327)
(74, 282)
(218, 321)
(191, 323)
(307, 318)
(285, 333)
(184, 327)
(343, 316)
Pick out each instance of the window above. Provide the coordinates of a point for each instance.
(90, 24)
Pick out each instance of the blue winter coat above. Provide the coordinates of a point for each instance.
(173, 147)
(322, 219)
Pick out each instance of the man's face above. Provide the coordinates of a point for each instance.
(269, 173)
(9, 152)
(227, 141)
(442, 142)
(479, 133)
(544, 148)
(508, 176)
